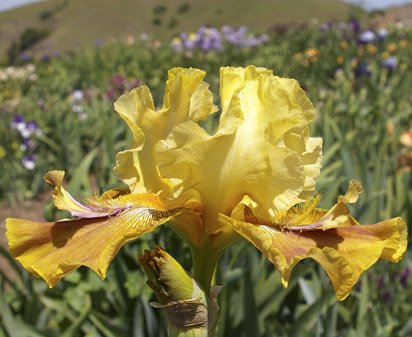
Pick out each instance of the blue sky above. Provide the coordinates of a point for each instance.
(369, 4)
(9, 4)
(379, 4)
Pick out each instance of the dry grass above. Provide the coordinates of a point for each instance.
(401, 12)
(81, 22)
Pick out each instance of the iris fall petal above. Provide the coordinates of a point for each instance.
(335, 239)
(52, 249)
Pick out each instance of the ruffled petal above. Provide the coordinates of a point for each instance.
(252, 153)
(52, 249)
(343, 252)
(186, 97)
(334, 238)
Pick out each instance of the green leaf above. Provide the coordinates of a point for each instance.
(80, 181)
(311, 315)
(82, 316)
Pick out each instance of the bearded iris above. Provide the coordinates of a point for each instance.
(254, 177)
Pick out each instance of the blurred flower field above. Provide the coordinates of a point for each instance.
(57, 112)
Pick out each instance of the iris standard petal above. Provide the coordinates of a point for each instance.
(52, 249)
(261, 148)
(186, 97)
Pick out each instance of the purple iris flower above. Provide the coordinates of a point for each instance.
(362, 70)
(380, 282)
(18, 119)
(382, 33)
(390, 63)
(31, 125)
(252, 42)
(177, 45)
(235, 36)
(29, 162)
(404, 277)
(26, 57)
(26, 144)
(189, 40)
(18, 123)
(326, 26)
(29, 130)
(240, 37)
(387, 296)
(209, 39)
(356, 26)
(366, 37)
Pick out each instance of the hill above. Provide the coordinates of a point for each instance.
(76, 23)
(403, 12)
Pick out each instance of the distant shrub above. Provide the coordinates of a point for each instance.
(159, 9)
(31, 36)
(27, 38)
(183, 8)
(13, 52)
(157, 22)
(46, 14)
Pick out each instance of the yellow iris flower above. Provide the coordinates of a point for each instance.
(253, 178)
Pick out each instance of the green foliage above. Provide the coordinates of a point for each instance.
(159, 9)
(30, 36)
(359, 117)
(183, 8)
(47, 14)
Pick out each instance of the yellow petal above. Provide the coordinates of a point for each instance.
(252, 152)
(63, 199)
(107, 204)
(52, 249)
(355, 188)
(232, 79)
(186, 98)
(310, 150)
(345, 251)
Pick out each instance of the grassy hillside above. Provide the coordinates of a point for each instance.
(401, 12)
(75, 23)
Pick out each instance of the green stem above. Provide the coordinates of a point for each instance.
(204, 265)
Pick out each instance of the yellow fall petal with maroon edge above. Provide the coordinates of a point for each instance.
(333, 238)
(52, 249)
